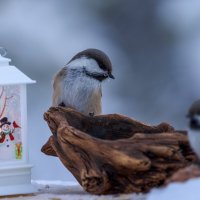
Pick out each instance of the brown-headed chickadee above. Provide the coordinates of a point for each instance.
(194, 127)
(78, 84)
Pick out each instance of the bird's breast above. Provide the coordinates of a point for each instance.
(83, 94)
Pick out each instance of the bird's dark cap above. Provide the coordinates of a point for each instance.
(99, 56)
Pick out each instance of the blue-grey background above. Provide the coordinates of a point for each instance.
(154, 46)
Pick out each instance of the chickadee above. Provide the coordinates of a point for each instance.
(78, 84)
(194, 127)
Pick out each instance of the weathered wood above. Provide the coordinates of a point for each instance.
(113, 153)
(185, 174)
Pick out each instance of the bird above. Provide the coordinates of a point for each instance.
(194, 127)
(78, 85)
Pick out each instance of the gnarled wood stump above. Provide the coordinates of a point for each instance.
(185, 174)
(113, 153)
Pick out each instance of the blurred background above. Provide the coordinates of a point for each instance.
(154, 46)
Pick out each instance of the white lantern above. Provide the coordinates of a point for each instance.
(15, 171)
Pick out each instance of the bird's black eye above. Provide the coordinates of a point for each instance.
(105, 75)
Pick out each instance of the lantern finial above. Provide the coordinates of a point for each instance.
(3, 60)
(3, 51)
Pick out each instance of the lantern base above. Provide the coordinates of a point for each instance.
(16, 180)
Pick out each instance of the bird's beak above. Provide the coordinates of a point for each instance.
(111, 76)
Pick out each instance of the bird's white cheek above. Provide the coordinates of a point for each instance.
(194, 139)
(90, 64)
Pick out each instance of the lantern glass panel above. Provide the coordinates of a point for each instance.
(11, 141)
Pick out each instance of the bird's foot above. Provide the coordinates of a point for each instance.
(91, 114)
(62, 104)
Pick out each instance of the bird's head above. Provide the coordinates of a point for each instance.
(93, 63)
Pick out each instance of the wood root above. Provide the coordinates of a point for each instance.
(110, 154)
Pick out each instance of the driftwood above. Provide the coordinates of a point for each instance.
(185, 174)
(113, 153)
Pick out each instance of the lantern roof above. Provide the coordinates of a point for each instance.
(10, 75)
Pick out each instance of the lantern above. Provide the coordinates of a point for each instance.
(15, 171)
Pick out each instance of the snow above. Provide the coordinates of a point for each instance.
(11, 75)
(64, 190)
(189, 190)
(57, 182)
(78, 197)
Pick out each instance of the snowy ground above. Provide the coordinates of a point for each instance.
(57, 190)
(189, 190)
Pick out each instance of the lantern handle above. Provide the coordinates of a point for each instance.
(3, 51)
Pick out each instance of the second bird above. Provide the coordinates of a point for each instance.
(78, 84)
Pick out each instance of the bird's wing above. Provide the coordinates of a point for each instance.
(57, 90)
(101, 91)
